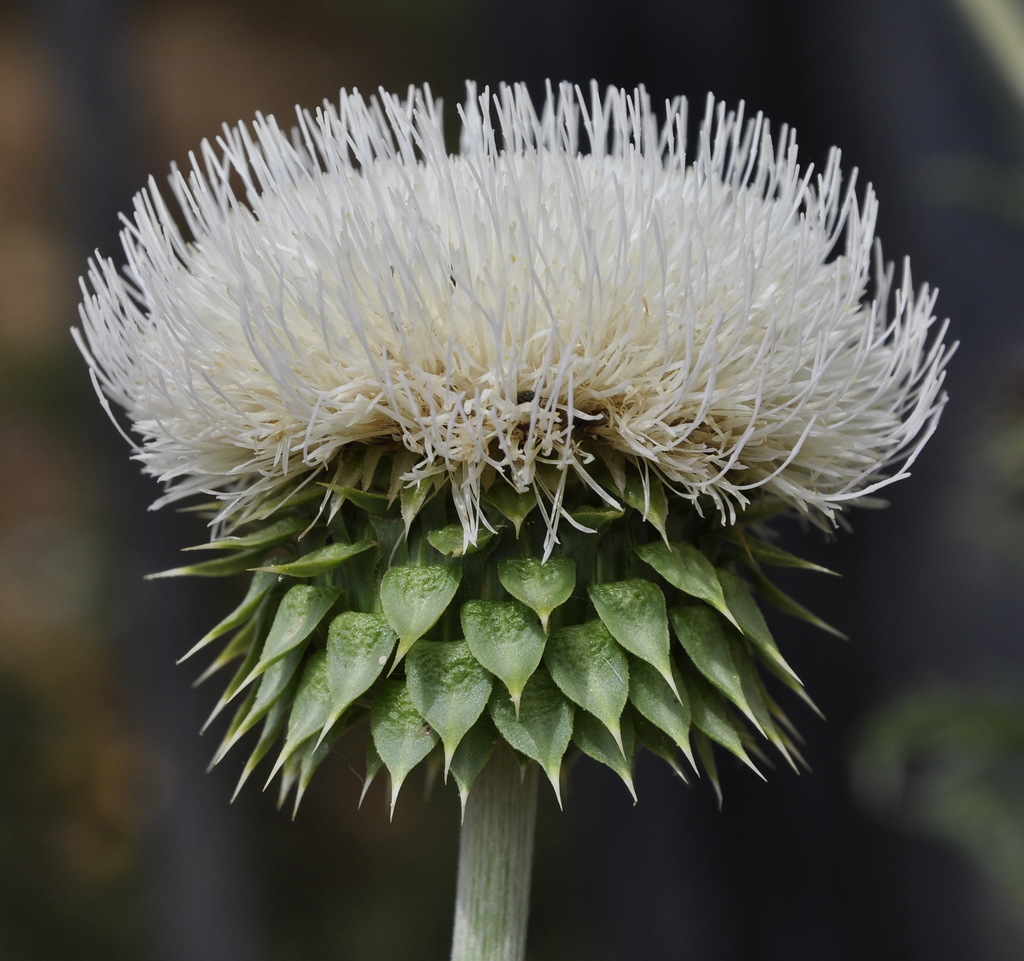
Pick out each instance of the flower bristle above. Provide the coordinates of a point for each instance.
(576, 277)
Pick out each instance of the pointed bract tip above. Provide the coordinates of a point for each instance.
(632, 789)
(362, 794)
(554, 776)
(395, 788)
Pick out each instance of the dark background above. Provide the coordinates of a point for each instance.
(902, 843)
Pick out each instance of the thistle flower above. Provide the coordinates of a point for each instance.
(548, 384)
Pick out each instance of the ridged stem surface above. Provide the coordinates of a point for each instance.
(492, 897)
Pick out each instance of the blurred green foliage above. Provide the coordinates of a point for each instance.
(949, 762)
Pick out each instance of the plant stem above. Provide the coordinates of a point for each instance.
(492, 898)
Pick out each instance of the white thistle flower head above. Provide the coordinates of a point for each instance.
(577, 286)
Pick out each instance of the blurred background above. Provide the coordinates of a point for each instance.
(907, 839)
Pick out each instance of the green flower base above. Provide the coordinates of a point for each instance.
(641, 629)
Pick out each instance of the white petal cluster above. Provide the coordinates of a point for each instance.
(575, 279)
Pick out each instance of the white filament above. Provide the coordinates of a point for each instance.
(572, 278)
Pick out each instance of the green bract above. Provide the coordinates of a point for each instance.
(642, 631)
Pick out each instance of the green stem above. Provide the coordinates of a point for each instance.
(492, 898)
